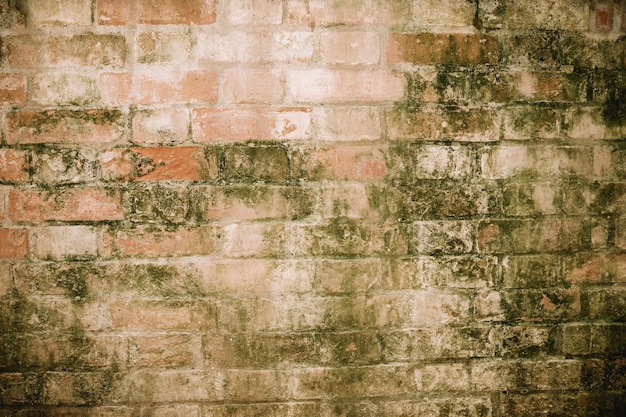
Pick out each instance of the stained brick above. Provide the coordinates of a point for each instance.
(160, 12)
(154, 315)
(13, 166)
(161, 126)
(164, 351)
(64, 13)
(251, 12)
(14, 243)
(51, 166)
(447, 49)
(163, 47)
(253, 86)
(156, 203)
(352, 12)
(349, 48)
(58, 89)
(346, 123)
(64, 242)
(13, 89)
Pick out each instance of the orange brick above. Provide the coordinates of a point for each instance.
(85, 50)
(4, 192)
(66, 126)
(253, 86)
(64, 13)
(348, 162)
(215, 125)
(13, 89)
(349, 48)
(323, 86)
(79, 204)
(13, 243)
(161, 126)
(150, 243)
(156, 164)
(435, 48)
(118, 88)
(13, 166)
(156, 12)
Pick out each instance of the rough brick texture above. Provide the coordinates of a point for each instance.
(373, 208)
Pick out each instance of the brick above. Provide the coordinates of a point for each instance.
(464, 406)
(64, 13)
(593, 269)
(532, 236)
(58, 89)
(13, 89)
(84, 50)
(12, 16)
(547, 86)
(250, 202)
(349, 48)
(171, 86)
(432, 14)
(167, 126)
(353, 162)
(607, 304)
(66, 126)
(347, 276)
(300, 409)
(163, 47)
(444, 377)
(79, 204)
(251, 12)
(177, 410)
(4, 192)
(355, 123)
(443, 123)
(532, 199)
(164, 351)
(253, 240)
(464, 86)
(20, 388)
(416, 162)
(346, 199)
(75, 388)
(527, 405)
(589, 123)
(155, 315)
(244, 124)
(6, 279)
(53, 166)
(344, 86)
(13, 166)
(156, 164)
(64, 242)
(532, 271)
(352, 12)
(160, 12)
(620, 233)
(542, 161)
(542, 306)
(257, 385)
(257, 48)
(156, 203)
(158, 243)
(602, 16)
(447, 49)
(14, 243)
(254, 163)
(536, 122)
(554, 15)
(452, 237)
(253, 86)
(353, 348)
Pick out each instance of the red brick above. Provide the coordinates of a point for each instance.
(156, 12)
(149, 243)
(63, 13)
(85, 50)
(161, 126)
(13, 166)
(13, 243)
(439, 48)
(348, 162)
(66, 126)
(149, 315)
(242, 124)
(118, 88)
(156, 164)
(336, 86)
(602, 16)
(13, 89)
(79, 204)
(4, 192)
(253, 86)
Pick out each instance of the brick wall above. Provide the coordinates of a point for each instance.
(312, 208)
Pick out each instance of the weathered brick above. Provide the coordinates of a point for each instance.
(172, 86)
(582, 269)
(346, 199)
(78, 204)
(142, 242)
(163, 47)
(413, 162)
(84, 50)
(352, 12)
(178, 410)
(451, 237)
(553, 14)
(443, 377)
(6, 279)
(595, 123)
(532, 122)
(341, 162)
(349, 48)
(532, 236)
(155, 315)
(253, 163)
(21, 388)
(262, 48)
(464, 406)
(346, 123)
(532, 271)
(443, 123)
(251, 12)
(299, 409)
(12, 16)
(532, 199)
(64, 242)
(15, 242)
(433, 14)
(13, 166)
(244, 240)
(527, 405)
(250, 202)
(347, 276)
(96, 126)
(156, 203)
(161, 126)
(65, 13)
(157, 164)
(160, 12)
(253, 86)
(539, 306)
(340, 86)
(609, 304)
(602, 16)
(51, 166)
(164, 351)
(447, 49)
(58, 89)
(13, 89)
(244, 124)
